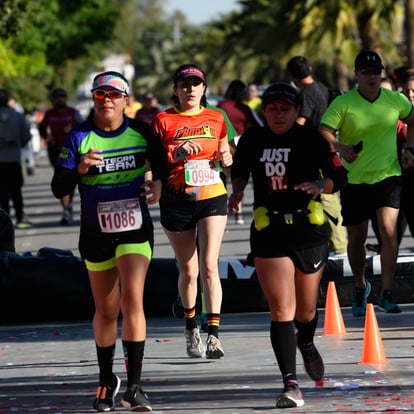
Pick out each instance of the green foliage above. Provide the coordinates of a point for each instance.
(50, 37)
(256, 43)
(77, 26)
(50, 43)
(15, 14)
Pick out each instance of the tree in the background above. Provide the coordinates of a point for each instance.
(15, 14)
(52, 44)
(48, 43)
(148, 42)
(256, 43)
(331, 31)
(409, 32)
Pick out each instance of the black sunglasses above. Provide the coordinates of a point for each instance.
(371, 71)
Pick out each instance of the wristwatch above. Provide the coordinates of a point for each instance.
(411, 149)
(321, 185)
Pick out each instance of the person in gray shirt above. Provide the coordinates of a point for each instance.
(14, 135)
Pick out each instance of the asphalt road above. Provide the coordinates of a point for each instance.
(51, 368)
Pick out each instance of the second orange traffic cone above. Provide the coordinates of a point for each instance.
(372, 349)
(334, 322)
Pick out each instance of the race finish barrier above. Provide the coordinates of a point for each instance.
(53, 285)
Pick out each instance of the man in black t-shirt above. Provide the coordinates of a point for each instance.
(313, 96)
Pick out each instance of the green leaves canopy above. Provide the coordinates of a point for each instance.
(39, 39)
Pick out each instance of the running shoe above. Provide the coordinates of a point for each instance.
(214, 349)
(291, 396)
(195, 348)
(135, 399)
(359, 303)
(387, 304)
(23, 224)
(177, 308)
(239, 218)
(105, 395)
(67, 218)
(312, 361)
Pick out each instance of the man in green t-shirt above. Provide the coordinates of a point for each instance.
(366, 119)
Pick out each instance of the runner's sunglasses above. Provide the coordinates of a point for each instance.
(112, 94)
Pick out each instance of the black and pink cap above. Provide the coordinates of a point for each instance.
(188, 72)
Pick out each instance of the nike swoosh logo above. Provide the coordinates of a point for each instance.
(315, 265)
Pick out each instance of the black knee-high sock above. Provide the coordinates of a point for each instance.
(105, 357)
(133, 356)
(282, 336)
(306, 330)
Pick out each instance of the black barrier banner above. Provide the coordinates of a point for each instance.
(54, 286)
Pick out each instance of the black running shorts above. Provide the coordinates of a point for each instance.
(360, 201)
(308, 260)
(180, 215)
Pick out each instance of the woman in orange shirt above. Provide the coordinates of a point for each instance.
(193, 204)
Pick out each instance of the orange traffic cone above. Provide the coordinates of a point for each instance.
(372, 349)
(334, 322)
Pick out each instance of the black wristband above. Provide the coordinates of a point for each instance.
(411, 149)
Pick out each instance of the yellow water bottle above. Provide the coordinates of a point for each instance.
(261, 218)
(315, 213)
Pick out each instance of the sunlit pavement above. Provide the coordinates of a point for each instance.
(51, 368)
